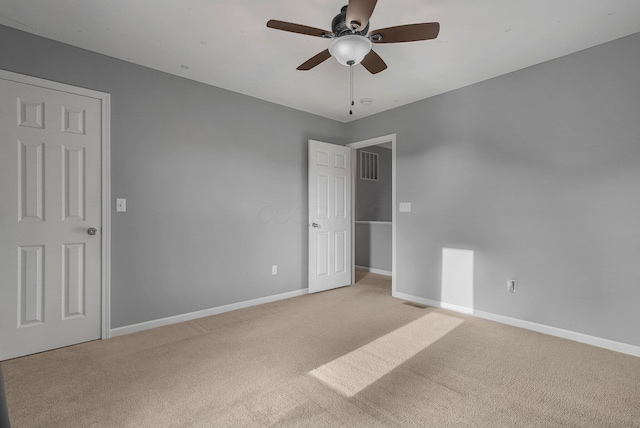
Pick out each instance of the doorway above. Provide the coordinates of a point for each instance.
(373, 220)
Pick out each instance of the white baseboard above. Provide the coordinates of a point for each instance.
(624, 348)
(374, 270)
(203, 313)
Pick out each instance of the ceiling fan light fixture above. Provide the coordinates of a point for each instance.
(350, 49)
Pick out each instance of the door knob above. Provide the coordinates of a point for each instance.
(316, 225)
(92, 231)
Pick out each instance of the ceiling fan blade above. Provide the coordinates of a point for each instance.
(297, 28)
(358, 13)
(373, 63)
(316, 60)
(406, 33)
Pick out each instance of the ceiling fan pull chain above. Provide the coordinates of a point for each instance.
(351, 88)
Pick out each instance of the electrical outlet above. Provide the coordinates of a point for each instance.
(511, 285)
(274, 270)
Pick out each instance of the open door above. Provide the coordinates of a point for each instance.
(329, 216)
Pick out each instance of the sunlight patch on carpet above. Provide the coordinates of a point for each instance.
(358, 369)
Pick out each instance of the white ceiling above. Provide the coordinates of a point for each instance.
(226, 43)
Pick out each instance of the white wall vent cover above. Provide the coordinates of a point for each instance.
(368, 166)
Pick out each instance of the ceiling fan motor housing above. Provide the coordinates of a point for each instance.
(340, 28)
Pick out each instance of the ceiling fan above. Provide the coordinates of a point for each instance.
(351, 40)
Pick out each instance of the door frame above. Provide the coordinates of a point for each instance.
(391, 138)
(105, 104)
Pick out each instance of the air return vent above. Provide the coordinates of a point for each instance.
(368, 166)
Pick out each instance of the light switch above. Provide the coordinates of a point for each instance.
(121, 205)
(405, 207)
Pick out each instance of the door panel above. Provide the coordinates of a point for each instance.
(50, 193)
(329, 216)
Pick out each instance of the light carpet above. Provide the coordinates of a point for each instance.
(352, 357)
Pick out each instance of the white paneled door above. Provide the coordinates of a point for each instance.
(329, 216)
(50, 218)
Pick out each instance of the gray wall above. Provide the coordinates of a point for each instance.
(538, 173)
(373, 245)
(216, 183)
(373, 198)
